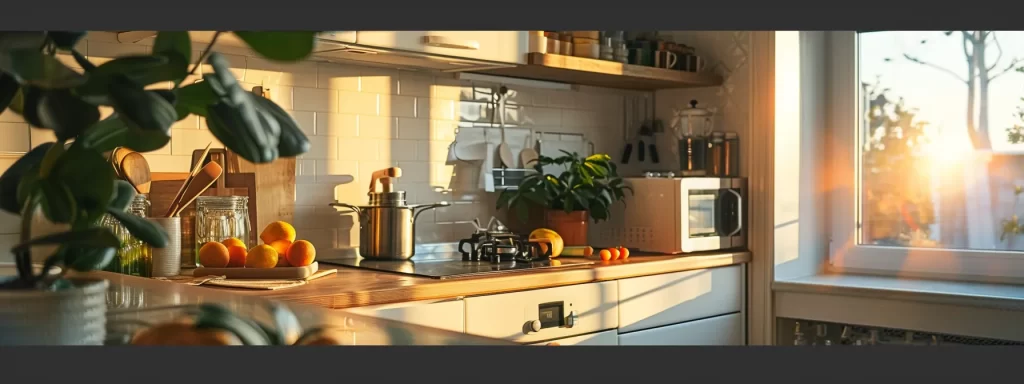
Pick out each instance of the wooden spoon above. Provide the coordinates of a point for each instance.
(191, 175)
(199, 184)
(135, 169)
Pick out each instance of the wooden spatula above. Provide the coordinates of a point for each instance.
(135, 169)
(199, 184)
(196, 167)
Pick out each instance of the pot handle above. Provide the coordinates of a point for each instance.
(424, 207)
(349, 206)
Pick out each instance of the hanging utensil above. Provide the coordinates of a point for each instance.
(528, 155)
(504, 152)
(136, 170)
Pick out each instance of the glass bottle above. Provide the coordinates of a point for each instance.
(133, 257)
(798, 335)
(219, 218)
(821, 335)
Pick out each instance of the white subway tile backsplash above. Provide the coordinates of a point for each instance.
(358, 149)
(336, 171)
(358, 103)
(413, 129)
(336, 124)
(314, 99)
(322, 147)
(363, 119)
(378, 80)
(377, 127)
(396, 105)
(339, 77)
(16, 137)
(414, 84)
(306, 121)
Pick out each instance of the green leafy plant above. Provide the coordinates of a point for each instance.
(589, 184)
(71, 182)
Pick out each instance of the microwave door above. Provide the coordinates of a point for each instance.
(702, 223)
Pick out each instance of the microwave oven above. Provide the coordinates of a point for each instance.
(678, 215)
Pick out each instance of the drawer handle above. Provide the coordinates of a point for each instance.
(444, 42)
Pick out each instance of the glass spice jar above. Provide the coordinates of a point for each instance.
(134, 256)
(219, 218)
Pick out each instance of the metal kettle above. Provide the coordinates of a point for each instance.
(387, 226)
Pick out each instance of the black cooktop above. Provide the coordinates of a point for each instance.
(451, 265)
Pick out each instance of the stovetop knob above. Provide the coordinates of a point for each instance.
(570, 321)
(532, 326)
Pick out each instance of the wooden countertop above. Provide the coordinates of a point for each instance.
(352, 287)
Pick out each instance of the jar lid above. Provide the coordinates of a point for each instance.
(225, 199)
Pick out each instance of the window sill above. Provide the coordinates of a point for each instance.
(956, 308)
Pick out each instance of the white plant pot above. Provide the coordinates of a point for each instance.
(74, 316)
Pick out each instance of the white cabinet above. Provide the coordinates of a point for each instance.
(671, 298)
(496, 46)
(719, 330)
(544, 314)
(443, 314)
(610, 337)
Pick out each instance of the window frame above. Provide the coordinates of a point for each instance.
(843, 196)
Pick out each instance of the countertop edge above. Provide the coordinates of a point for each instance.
(448, 289)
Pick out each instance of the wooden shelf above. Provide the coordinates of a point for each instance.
(603, 73)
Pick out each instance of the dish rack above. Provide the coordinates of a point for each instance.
(509, 178)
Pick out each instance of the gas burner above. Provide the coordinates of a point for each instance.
(497, 244)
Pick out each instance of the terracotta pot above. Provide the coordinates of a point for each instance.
(571, 226)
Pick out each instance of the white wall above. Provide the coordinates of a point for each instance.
(360, 119)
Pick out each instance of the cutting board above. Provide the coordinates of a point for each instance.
(259, 273)
(274, 186)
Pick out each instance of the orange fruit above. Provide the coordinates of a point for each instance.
(233, 241)
(545, 237)
(277, 230)
(236, 255)
(281, 246)
(605, 254)
(614, 252)
(301, 254)
(214, 255)
(623, 253)
(261, 256)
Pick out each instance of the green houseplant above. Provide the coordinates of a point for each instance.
(69, 184)
(585, 190)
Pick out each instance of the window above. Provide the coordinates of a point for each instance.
(927, 165)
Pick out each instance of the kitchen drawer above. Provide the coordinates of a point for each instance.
(720, 330)
(510, 316)
(601, 338)
(443, 314)
(498, 46)
(654, 301)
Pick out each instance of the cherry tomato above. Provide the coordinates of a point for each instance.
(605, 254)
(623, 253)
(615, 253)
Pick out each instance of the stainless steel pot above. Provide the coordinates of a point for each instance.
(387, 226)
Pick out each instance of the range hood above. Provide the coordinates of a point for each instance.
(344, 48)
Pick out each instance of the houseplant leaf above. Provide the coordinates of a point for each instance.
(89, 259)
(280, 45)
(57, 201)
(88, 175)
(8, 88)
(140, 228)
(194, 99)
(27, 105)
(32, 67)
(139, 108)
(12, 177)
(292, 142)
(113, 132)
(123, 195)
(66, 40)
(66, 114)
(173, 43)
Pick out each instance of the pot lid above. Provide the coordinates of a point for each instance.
(694, 111)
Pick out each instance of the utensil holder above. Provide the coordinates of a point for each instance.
(167, 260)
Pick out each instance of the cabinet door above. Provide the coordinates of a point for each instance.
(601, 338)
(499, 46)
(672, 298)
(442, 314)
(721, 330)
